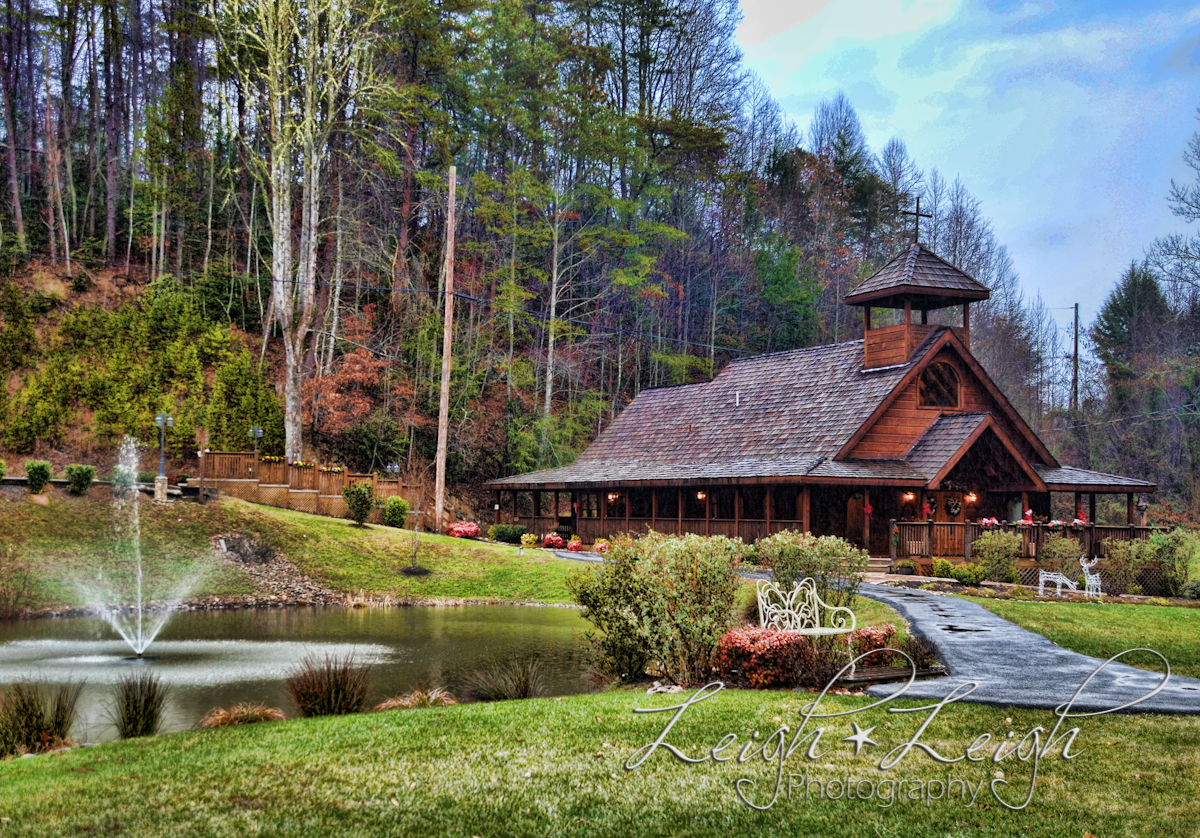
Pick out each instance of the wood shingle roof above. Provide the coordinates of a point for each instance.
(917, 274)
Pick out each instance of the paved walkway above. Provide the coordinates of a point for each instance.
(1017, 668)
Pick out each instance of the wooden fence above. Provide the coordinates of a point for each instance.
(927, 540)
(316, 489)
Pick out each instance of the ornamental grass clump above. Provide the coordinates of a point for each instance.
(508, 681)
(139, 704)
(835, 565)
(660, 599)
(332, 686)
(416, 698)
(30, 722)
(241, 714)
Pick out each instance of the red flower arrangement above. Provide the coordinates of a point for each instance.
(990, 522)
(463, 529)
(331, 469)
(575, 545)
(552, 540)
(302, 464)
(270, 459)
(868, 509)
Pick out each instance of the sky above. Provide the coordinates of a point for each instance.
(1067, 120)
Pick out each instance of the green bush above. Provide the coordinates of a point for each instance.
(1123, 560)
(834, 564)
(3, 469)
(507, 533)
(662, 599)
(1061, 554)
(37, 475)
(1192, 589)
(395, 512)
(360, 499)
(970, 573)
(997, 552)
(1179, 551)
(81, 478)
(943, 569)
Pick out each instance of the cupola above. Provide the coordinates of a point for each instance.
(916, 280)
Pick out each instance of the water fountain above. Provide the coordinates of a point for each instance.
(123, 602)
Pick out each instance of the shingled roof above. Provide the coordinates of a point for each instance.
(779, 415)
(920, 276)
(943, 440)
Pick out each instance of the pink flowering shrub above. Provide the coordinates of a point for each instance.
(762, 657)
(463, 529)
(871, 638)
(575, 545)
(601, 546)
(552, 540)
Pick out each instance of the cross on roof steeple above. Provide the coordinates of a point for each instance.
(918, 215)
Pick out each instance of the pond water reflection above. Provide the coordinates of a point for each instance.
(219, 658)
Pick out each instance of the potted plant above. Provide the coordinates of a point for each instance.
(905, 567)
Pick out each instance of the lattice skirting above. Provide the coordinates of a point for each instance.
(333, 506)
(241, 489)
(273, 495)
(303, 500)
(1151, 579)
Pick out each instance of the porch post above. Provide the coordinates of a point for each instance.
(537, 506)
(604, 508)
(654, 509)
(627, 505)
(1129, 509)
(866, 533)
(804, 508)
(767, 509)
(737, 511)
(707, 510)
(1078, 503)
(679, 511)
(497, 505)
(1092, 508)
(891, 541)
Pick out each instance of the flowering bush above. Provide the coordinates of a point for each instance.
(601, 546)
(762, 657)
(552, 540)
(463, 529)
(871, 638)
(575, 545)
(528, 540)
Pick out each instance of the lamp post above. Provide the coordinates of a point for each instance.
(393, 470)
(255, 434)
(163, 421)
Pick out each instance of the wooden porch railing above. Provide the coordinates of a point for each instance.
(926, 539)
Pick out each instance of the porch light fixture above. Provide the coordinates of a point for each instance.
(612, 496)
(1142, 505)
(700, 495)
(909, 497)
(970, 498)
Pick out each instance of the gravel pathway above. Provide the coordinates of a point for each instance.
(1014, 667)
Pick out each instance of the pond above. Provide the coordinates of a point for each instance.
(218, 658)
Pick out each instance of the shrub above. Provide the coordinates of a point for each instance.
(139, 705)
(922, 652)
(123, 479)
(3, 469)
(762, 657)
(528, 540)
(329, 687)
(943, 569)
(463, 529)
(241, 714)
(395, 512)
(552, 540)
(146, 476)
(1178, 550)
(437, 697)
(1123, 561)
(81, 478)
(508, 681)
(667, 599)
(575, 545)
(872, 639)
(37, 475)
(971, 573)
(834, 564)
(508, 533)
(360, 500)
(1135, 590)
(1192, 589)
(601, 546)
(29, 722)
(997, 552)
(1061, 554)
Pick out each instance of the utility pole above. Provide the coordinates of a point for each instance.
(1075, 365)
(439, 485)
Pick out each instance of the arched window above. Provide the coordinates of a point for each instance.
(938, 386)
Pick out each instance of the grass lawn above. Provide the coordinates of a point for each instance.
(1102, 630)
(76, 538)
(556, 767)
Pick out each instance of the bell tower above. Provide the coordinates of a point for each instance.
(916, 281)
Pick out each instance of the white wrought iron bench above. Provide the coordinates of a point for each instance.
(802, 611)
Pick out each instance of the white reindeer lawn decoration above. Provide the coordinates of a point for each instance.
(1091, 580)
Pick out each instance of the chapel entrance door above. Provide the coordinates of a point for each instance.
(947, 540)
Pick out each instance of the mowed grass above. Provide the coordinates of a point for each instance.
(77, 538)
(555, 767)
(1103, 629)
